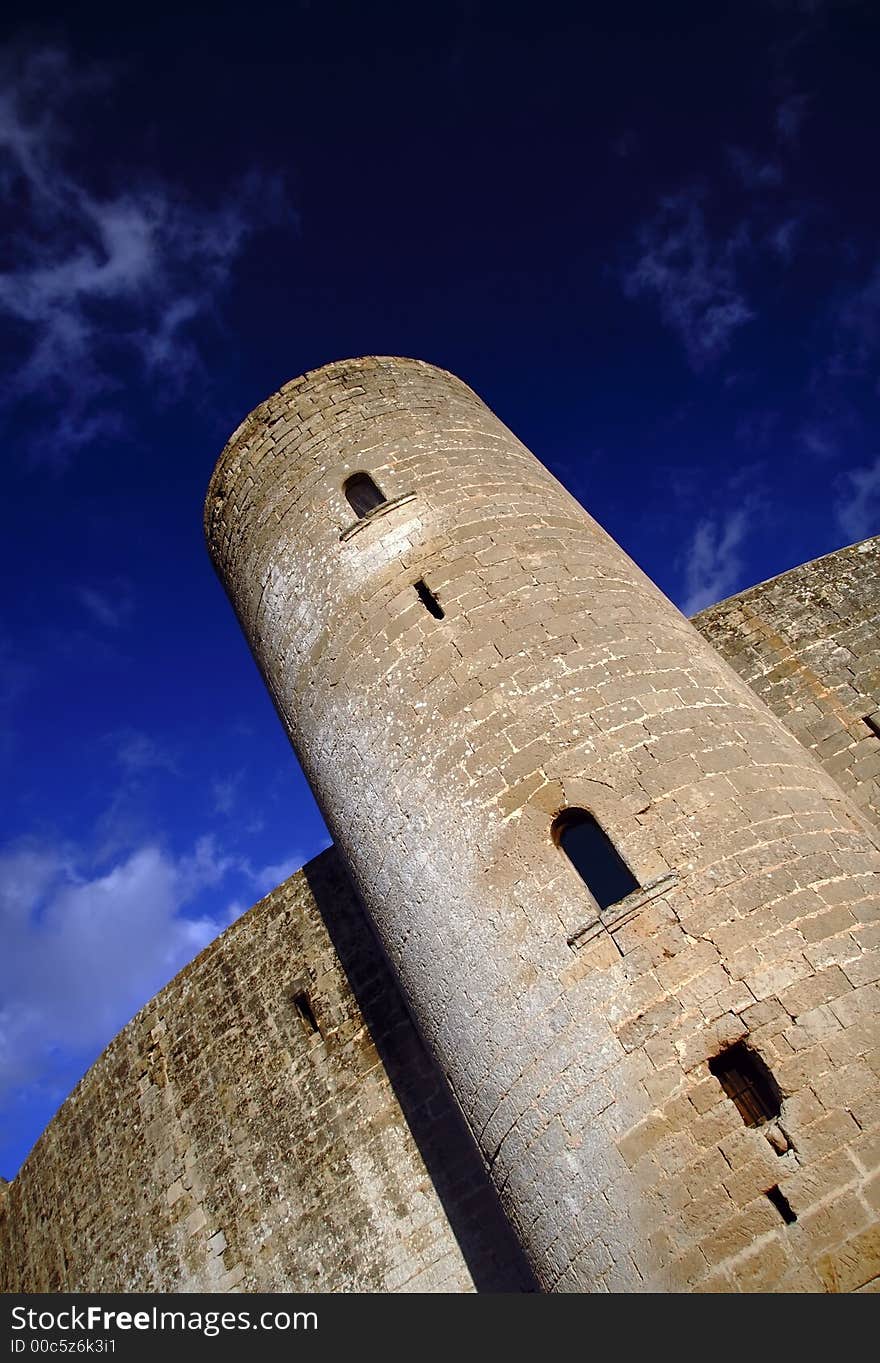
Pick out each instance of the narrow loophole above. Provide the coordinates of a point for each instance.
(873, 723)
(428, 599)
(306, 1014)
(782, 1204)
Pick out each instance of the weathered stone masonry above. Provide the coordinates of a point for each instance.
(440, 751)
(576, 1042)
(808, 643)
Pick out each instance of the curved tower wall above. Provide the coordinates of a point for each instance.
(808, 642)
(440, 751)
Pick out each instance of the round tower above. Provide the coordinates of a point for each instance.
(627, 909)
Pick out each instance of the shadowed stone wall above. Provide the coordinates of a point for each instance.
(221, 1143)
(576, 1041)
(808, 642)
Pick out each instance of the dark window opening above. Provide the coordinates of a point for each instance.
(306, 1014)
(873, 722)
(363, 494)
(594, 857)
(747, 1082)
(429, 600)
(782, 1205)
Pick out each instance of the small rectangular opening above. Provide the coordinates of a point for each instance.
(873, 722)
(782, 1204)
(747, 1082)
(428, 599)
(306, 1014)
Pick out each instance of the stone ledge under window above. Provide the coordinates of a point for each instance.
(374, 515)
(617, 914)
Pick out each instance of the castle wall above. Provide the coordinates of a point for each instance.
(576, 1041)
(808, 642)
(219, 1143)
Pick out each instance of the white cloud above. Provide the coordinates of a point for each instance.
(137, 752)
(83, 951)
(781, 239)
(205, 867)
(82, 954)
(692, 276)
(225, 792)
(818, 440)
(104, 279)
(857, 509)
(110, 606)
(714, 560)
(753, 172)
(267, 877)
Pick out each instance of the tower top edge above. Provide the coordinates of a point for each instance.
(869, 545)
(361, 365)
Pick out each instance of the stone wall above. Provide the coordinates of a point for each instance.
(272, 1120)
(223, 1142)
(808, 642)
(578, 1041)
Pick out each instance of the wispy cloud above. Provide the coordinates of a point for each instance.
(103, 280)
(225, 792)
(110, 606)
(857, 506)
(692, 276)
(137, 752)
(265, 878)
(714, 560)
(82, 953)
(819, 440)
(783, 237)
(752, 171)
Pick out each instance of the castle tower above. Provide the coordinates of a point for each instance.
(628, 910)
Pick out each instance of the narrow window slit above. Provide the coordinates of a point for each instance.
(428, 599)
(781, 1203)
(873, 722)
(748, 1083)
(594, 857)
(306, 1014)
(363, 494)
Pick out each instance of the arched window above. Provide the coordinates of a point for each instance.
(594, 856)
(362, 493)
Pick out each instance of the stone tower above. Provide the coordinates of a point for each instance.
(602, 870)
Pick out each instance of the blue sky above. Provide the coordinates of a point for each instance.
(645, 234)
